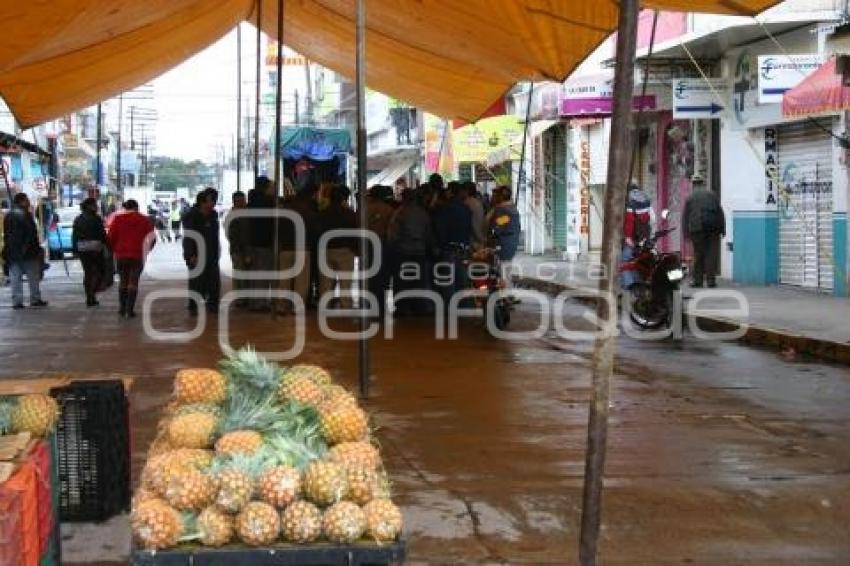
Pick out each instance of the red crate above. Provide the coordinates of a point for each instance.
(40, 457)
(10, 526)
(24, 482)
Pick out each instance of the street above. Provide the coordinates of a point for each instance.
(718, 453)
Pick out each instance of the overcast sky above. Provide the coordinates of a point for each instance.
(196, 101)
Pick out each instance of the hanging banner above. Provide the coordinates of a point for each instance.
(780, 73)
(475, 142)
(438, 146)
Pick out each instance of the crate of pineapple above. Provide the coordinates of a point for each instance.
(267, 464)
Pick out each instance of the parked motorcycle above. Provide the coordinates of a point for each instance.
(489, 279)
(659, 276)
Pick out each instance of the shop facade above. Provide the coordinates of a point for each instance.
(786, 177)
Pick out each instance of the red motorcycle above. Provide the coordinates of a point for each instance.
(658, 277)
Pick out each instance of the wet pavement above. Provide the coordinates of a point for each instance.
(718, 453)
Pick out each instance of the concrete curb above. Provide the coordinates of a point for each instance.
(828, 350)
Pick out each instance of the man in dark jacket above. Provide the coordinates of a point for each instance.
(453, 232)
(340, 252)
(202, 221)
(22, 253)
(704, 223)
(411, 241)
(262, 199)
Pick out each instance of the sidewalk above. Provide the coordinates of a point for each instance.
(782, 317)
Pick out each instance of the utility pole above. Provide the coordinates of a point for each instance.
(99, 168)
(612, 234)
(132, 136)
(119, 180)
(309, 93)
(297, 110)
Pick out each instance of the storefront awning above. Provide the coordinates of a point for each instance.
(448, 57)
(397, 168)
(822, 92)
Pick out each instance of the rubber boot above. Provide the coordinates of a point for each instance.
(131, 303)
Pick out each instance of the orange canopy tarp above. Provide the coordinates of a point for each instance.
(450, 57)
(822, 92)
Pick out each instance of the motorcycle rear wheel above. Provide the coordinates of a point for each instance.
(644, 311)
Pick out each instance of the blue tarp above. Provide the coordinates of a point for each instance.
(318, 144)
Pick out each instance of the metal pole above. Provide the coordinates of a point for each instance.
(278, 181)
(363, 357)
(643, 90)
(612, 234)
(120, 184)
(257, 91)
(520, 182)
(99, 167)
(239, 107)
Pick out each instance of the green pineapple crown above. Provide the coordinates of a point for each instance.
(286, 450)
(249, 373)
(7, 407)
(250, 412)
(250, 464)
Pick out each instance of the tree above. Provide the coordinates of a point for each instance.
(172, 173)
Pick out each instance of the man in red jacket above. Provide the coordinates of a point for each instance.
(127, 235)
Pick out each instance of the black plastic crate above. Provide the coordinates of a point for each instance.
(318, 554)
(93, 445)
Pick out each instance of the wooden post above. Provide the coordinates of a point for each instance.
(278, 170)
(363, 354)
(257, 91)
(603, 355)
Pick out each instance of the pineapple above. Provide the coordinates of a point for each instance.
(190, 489)
(35, 413)
(249, 374)
(325, 482)
(337, 395)
(192, 430)
(300, 389)
(239, 442)
(258, 524)
(214, 526)
(344, 423)
(344, 522)
(245, 420)
(280, 485)
(160, 445)
(362, 484)
(383, 520)
(199, 386)
(236, 478)
(355, 454)
(316, 374)
(156, 525)
(142, 496)
(301, 522)
(159, 469)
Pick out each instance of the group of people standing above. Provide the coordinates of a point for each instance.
(431, 226)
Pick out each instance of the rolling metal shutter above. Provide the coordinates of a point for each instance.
(805, 205)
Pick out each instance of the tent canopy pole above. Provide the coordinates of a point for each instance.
(363, 354)
(612, 235)
(239, 107)
(257, 91)
(278, 181)
(520, 182)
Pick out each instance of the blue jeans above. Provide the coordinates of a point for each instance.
(628, 278)
(32, 269)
